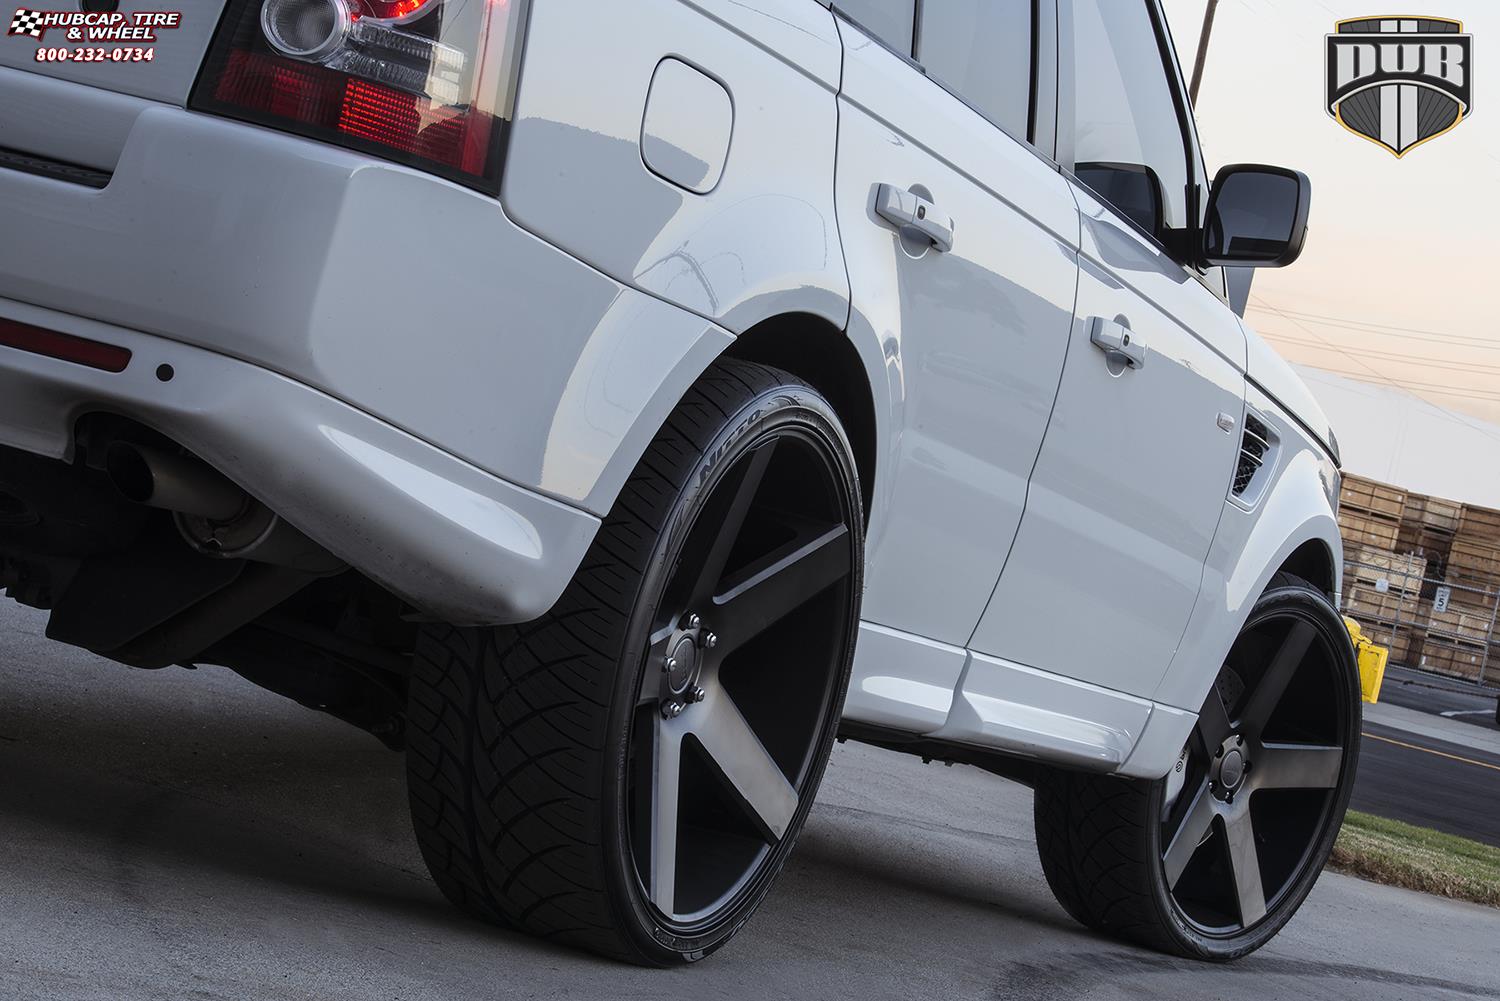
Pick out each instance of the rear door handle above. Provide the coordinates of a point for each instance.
(910, 212)
(1118, 342)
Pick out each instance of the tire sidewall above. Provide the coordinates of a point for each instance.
(1283, 595)
(790, 406)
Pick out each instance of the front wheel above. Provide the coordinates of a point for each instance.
(1211, 861)
(628, 774)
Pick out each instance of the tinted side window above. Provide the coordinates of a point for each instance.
(981, 50)
(1126, 116)
(891, 21)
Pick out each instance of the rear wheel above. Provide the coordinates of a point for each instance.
(628, 774)
(1211, 861)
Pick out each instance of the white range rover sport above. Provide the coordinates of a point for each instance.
(610, 404)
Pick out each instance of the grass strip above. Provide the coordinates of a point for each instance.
(1388, 851)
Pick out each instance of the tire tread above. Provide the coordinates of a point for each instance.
(1093, 838)
(508, 725)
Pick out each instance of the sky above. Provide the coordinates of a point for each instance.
(1400, 281)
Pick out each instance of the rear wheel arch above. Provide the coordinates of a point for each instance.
(813, 349)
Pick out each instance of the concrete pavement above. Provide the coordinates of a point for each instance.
(184, 835)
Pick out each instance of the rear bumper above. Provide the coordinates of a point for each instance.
(382, 357)
(454, 540)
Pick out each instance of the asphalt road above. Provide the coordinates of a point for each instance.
(1442, 696)
(184, 835)
(1429, 782)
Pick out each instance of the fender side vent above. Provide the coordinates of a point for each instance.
(1255, 448)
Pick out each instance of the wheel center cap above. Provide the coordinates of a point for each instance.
(1232, 769)
(685, 654)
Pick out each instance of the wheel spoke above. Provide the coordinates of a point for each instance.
(1190, 833)
(727, 529)
(780, 583)
(1244, 863)
(666, 791)
(1284, 664)
(656, 655)
(1294, 766)
(1213, 726)
(744, 762)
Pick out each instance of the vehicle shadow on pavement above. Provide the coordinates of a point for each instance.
(1023, 980)
(177, 827)
(156, 794)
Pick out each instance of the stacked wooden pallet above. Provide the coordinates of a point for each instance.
(1458, 639)
(1370, 513)
(1373, 497)
(1474, 558)
(1427, 528)
(1382, 586)
(1455, 659)
(1423, 574)
(1368, 565)
(1390, 608)
(1460, 624)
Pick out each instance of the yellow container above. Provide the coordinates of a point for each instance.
(1372, 660)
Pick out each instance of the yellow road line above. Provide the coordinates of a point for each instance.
(1441, 754)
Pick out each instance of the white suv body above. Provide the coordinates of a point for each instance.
(446, 382)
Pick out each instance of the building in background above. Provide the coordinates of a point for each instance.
(1387, 434)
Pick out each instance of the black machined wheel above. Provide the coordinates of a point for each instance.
(742, 675)
(1262, 775)
(629, 773)
(1214, 859)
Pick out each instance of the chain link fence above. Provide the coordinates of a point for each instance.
(1429, 624)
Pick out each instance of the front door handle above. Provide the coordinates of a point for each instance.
(911, 213)
(1118, 342)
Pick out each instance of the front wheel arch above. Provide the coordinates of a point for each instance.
(1313, 562)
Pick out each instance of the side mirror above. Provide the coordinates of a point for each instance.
(1133, 189)
(1257, 217)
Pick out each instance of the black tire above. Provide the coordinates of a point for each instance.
(1124, 857)
(537, 753)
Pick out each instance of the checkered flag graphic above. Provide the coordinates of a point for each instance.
(27, 22)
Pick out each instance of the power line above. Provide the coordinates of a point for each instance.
(1418, 360)
(1459, 394)
(1437, 388)
(1386, 329)
(1380, 376)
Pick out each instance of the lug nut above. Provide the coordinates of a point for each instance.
(672, 710)
(669, 665)
(697, 694)
(710, 640)
(693, 622)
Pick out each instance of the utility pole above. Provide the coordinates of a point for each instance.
(1208, 29)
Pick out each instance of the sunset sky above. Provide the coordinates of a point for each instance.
(1400, 282)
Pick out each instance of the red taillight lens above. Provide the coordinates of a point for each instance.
(421, 82)
(392, 9)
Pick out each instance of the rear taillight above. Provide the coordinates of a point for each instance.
(423, 82)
